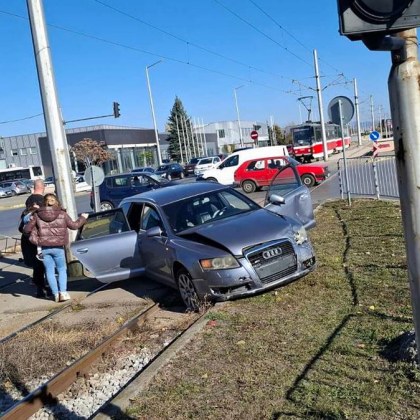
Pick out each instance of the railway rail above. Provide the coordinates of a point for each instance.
(149, 319)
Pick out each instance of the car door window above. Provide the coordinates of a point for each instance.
(285, 182)
(104, 223)
(150, 218)
(133, 213)
(232, 161)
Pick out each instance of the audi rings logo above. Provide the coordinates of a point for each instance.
(271, 253)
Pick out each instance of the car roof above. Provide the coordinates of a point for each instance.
(176, 192)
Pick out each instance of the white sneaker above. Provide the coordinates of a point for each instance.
(57, 298)
(64, 296)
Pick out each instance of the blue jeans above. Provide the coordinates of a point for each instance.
(55, 258)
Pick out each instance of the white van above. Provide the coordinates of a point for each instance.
(224, 172)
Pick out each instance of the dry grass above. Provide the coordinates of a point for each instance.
(321, 347)
(46, 349)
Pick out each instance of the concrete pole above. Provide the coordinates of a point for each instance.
(320, 106)
(153, 111)
(192, 138)
(404, 93)
(356, 105)
(53, 120)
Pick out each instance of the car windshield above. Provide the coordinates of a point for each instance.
(155, 177)
(204, 161)
(163, 167)
(193, 161)
(207, 208)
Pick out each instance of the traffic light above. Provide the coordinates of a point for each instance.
(380, 17)
(116, 110)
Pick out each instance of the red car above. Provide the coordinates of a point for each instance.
(256, 173)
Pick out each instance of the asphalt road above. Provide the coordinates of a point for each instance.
(11, 208)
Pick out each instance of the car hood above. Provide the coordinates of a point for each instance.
(242, 231)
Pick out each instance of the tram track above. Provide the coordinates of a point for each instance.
(144, 328)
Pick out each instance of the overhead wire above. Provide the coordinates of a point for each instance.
(161, 56)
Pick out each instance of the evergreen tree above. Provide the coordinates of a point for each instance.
(183, 143)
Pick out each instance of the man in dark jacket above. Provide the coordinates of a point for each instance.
(29, 250)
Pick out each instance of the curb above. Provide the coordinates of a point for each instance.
(14, 206)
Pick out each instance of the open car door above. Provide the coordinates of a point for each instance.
(287, 196)
(107, 247)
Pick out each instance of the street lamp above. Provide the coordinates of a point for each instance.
(153, 111)
(237, 112)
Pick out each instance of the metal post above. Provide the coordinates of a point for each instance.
(380, 119)
(179, 138)
(356, 105)
(239, 118)
(153, 111)
(192, 138)
(187, 137)
(404, 93)
(52, 115)
(346, 175)
(320, 107)
(372, 115)
(205, 138)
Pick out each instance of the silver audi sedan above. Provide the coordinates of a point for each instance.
(207, 240)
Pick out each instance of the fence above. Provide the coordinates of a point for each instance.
(369, 177)
(9, 245)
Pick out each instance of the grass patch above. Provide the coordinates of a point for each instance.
(313, 349)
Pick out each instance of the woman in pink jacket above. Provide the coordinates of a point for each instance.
(49, 229)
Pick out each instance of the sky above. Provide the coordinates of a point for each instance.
(262, 49)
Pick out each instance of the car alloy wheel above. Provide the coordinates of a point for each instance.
(106, 205)
(187, 290)
(249, 186)
(308, 180)
(181, 175)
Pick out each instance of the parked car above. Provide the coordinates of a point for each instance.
(190, 166)
(81, 185)
(170, 171)
(117, 187)
(223, 172)
(196, 238)
(5, 192)
(206, 163)
(49, 180)
(257, 173)
(28, 182)
(16, 187)
(148, 169)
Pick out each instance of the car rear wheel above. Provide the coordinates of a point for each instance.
(168, 177)
(211, 179)
(182, 175)
(308, 180)
(106, 205)
(249, 186)
(13, 193)
(187, 290)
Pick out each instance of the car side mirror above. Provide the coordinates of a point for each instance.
(276, 199)
(154, 231)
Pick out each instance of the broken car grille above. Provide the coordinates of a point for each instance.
(273, 262)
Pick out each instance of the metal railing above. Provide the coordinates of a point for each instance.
(369, 176)
(9, 244)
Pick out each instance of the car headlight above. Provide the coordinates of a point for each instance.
(219, 263)
(300, 235)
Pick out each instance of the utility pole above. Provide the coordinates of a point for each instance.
(356, 105)
(153, 112)
(52, 115)
(320, 106)
(404, 93)
(239, 118)
(372, 113)
(380, 119)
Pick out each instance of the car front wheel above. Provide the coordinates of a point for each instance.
(106, 205)
(308, 180)
(211, 179)
(187, 290)
(181, 175)
(249, 186)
